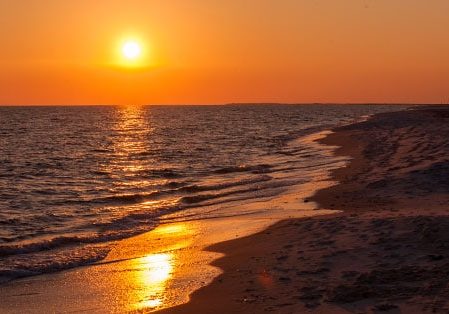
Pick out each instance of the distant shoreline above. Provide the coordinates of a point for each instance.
(228, 104)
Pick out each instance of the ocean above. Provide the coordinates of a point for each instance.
(75, 179)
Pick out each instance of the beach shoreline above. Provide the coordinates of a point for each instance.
(386, 252)
(161, 268)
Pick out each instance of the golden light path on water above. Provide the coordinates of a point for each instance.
(152, 271)
(133, 133)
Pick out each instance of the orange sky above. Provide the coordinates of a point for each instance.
(217, 51)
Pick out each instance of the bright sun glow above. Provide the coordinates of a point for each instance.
(131, 50)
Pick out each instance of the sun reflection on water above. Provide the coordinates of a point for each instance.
(130, 142)
(156, 270)
(157, 258)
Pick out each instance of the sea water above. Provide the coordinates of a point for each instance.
(75, 179)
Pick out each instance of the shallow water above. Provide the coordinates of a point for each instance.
(74, 178)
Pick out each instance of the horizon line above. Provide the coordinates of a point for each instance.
(233, 104)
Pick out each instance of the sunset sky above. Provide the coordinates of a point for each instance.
(216, 51)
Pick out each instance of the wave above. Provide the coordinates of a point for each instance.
(175, 184)
(142, 221)
(128, 198)
(62, 241)
(163, 173)
(254, 169)
(17, 267)
(137, 222)
(175, 188)
(201, 188)
(256, 188)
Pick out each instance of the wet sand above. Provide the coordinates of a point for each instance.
(387, 252)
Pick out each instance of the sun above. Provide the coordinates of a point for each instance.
(131, 50)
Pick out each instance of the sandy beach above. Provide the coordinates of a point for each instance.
(386, 252)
